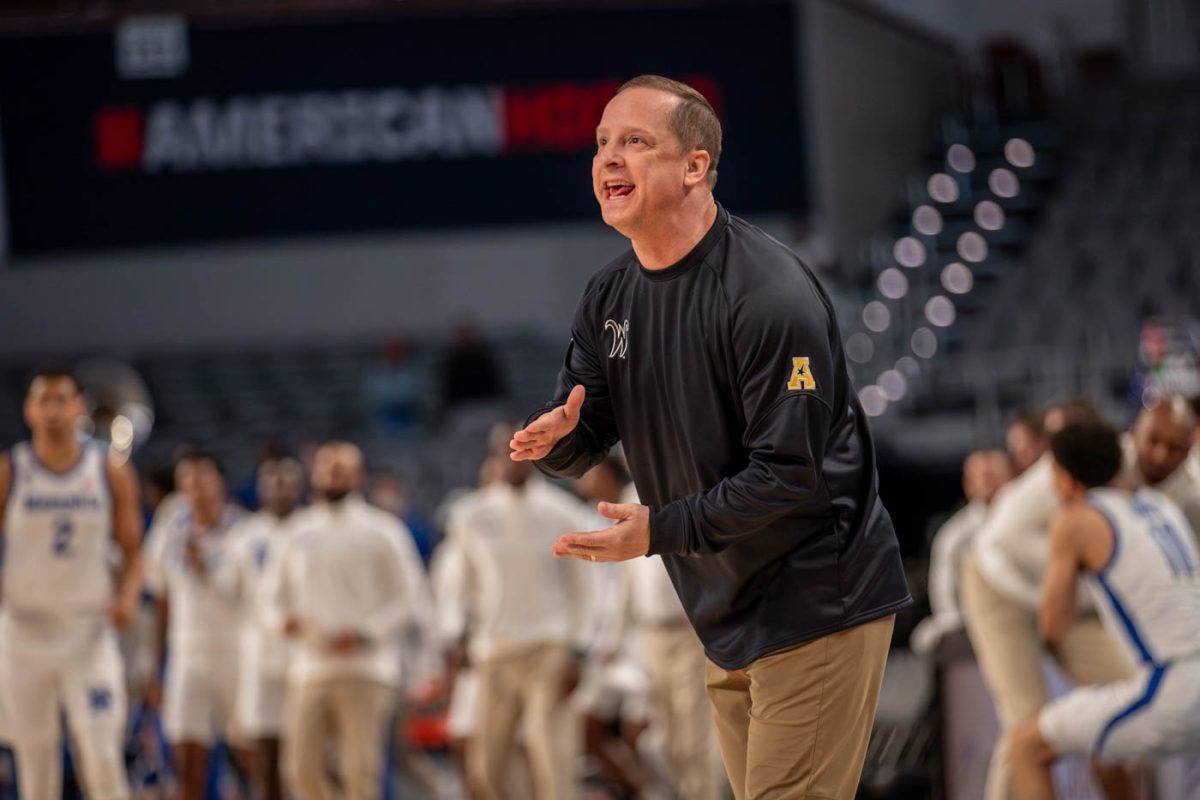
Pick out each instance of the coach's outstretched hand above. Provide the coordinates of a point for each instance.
(628, 538)
(538, 438)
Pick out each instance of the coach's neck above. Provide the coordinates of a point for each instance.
(674, 234)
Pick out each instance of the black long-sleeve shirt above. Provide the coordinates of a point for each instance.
(724, 377)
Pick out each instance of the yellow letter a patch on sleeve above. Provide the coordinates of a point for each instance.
(801, 375)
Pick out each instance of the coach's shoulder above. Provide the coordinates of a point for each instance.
(605, 281)
(754, 261)
(613, 271)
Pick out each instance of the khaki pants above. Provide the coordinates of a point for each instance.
(1009, 650)
(675, 661)
(523, 692)
(795, 723)
(355, 714)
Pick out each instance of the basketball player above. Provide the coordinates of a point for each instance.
(63, 501)
(531, 621)
(1025, 441)
(999, 592)
(262, 671)
(1138, 557)
(349, 583)
(1158, 454)
(199, 622)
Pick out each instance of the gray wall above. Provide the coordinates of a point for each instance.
(874, 94)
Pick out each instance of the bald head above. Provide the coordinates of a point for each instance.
(984, 472)
(1163, 435)
(337, 470)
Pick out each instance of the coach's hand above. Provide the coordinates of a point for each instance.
(538, 438)
(628, 538)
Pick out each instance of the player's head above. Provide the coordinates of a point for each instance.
(337, 470)
(604, 482)
(1163, 435)
(53, 403)
(200, 477)
(984, 472)
(662, 140)
(157, 483)
(503, 468)
(1086, 455)
(280, 482)
(1066, 412)
(1025, 440)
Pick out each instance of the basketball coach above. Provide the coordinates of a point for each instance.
(713, 354)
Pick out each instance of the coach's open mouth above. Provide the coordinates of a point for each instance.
(615, 189)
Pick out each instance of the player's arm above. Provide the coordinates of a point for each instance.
(154, 581)
(127, 530)
(162, 615)
(573, 432)
(451, 581)
(1057, 608)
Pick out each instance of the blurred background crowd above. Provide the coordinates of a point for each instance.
(293, 249)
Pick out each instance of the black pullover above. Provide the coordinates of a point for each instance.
(724, 377)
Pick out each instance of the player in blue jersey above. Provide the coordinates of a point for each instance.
(1137, 555)
(63, 504)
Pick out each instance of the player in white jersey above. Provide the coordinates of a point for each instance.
(1138, 557)
(258, 541)
(199, 620)
(62, 504)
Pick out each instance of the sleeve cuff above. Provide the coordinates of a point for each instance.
(668, 526)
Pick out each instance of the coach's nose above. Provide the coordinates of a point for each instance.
(610, 155)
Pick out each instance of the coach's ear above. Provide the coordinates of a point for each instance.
(696, 168)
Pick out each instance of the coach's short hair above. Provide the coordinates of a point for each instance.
(1089, 451)
(693, 121)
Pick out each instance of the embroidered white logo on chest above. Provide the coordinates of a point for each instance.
(620, 342)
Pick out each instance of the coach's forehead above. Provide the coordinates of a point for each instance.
(640, 106)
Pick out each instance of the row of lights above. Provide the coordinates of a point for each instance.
(927, 220)
(956, 277)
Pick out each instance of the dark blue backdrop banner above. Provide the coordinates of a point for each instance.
(162, 131)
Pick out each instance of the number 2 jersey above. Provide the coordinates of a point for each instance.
(1149, 592)
(58, 536)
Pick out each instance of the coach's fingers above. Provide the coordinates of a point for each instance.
(546, 424)
(528, 434)
(588, 543)
(591, 539)
(535, 454)
(574, 404)
(617, 510)
(578, 551)
(552, 421)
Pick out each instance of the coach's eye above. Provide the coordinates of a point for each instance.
(635, 140)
